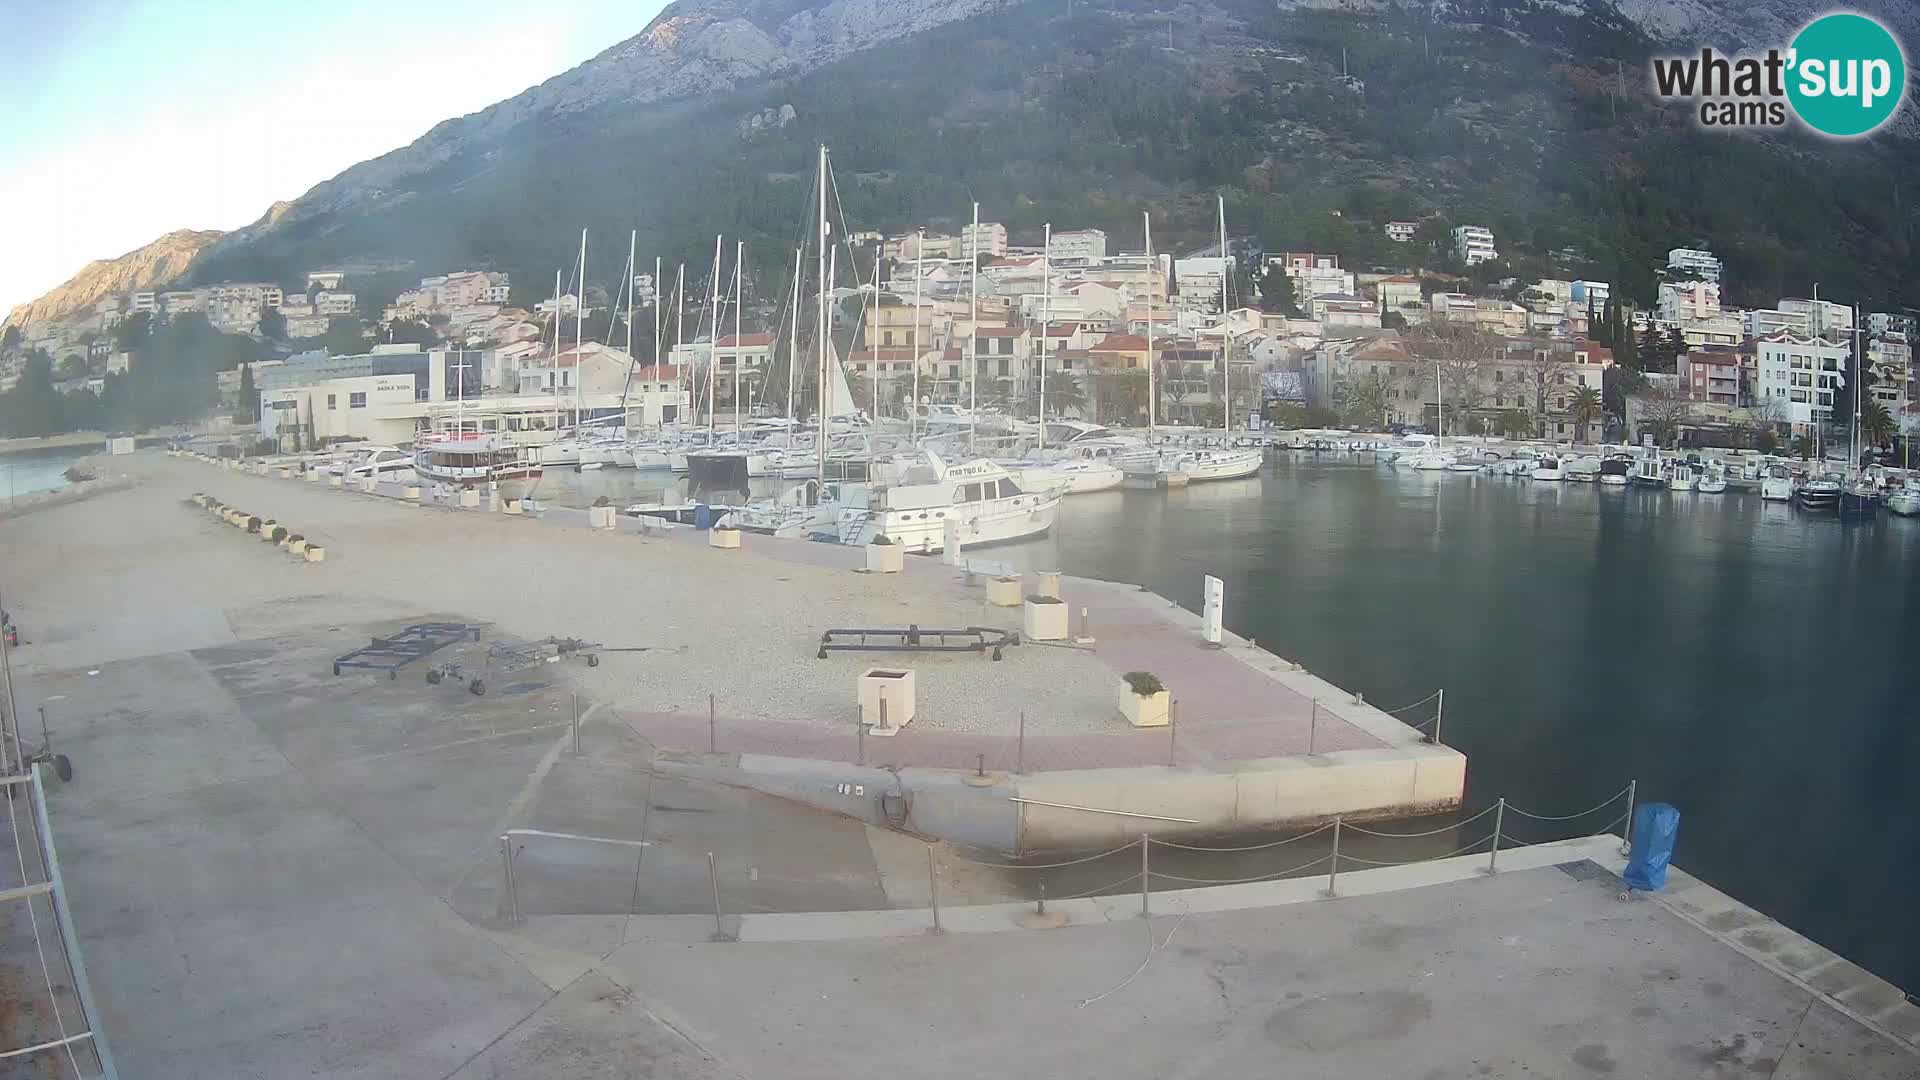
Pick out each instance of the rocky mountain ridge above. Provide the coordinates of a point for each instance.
(147, 267)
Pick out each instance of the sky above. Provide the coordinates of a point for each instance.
(121, 120)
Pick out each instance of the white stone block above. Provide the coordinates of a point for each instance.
(886, 558)
(413, 492)
(723, 538)
(470, 498)
(1044, 583)
(1004, 592)
(316, 554)
(893, 687)
(1145, 710)
(600, 517)
(298, 547)
(336, 480)
(1043, 619)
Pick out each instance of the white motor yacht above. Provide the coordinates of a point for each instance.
(1713, 479)
(1584, 469)
(987, 502)
(1204, 465)
(1905, 501)
(1074, 476)
(380, 462)
(476, 460)
(1548, 468)
(1614, 472)
(1777, 484)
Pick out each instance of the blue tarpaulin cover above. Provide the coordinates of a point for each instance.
(1655, 828)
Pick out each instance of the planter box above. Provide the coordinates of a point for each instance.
(1004, 592)
(1044, 583)
(260, 469)
(370, 484)
(316, 554)
(1148, 711)
(314, 476)
(512, 506)
(894, 687)
(266, 530)
(413, 492)
(1043, 619)
(723, 538)
(336, 480)
(470, 498)
(600, 517)
(297, 546)
(886, 558)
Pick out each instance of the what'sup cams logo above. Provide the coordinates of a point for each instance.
(1844, 76)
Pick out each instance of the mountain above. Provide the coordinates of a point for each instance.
(160, 263)
(1316, 119)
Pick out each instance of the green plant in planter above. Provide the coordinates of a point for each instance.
(881, 540)
(603, 501)
(253, 524)
(296, 538)
(279, 534)
(1143, 683)
(1036, 598)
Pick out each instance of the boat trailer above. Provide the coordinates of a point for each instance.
(915, 638)
(504, 657)
(390, 654)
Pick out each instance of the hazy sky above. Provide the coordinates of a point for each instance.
(121, 120)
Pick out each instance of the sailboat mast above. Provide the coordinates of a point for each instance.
(554, 360)
(875, 350)
(656, 316)
(1046, 321)
(739, 261)
(1226, 335)
(1153, 269)
(580, 343)
(793, 334)
(633, 239)
(820, 324)
(713, 334)
(680, 324)
(913, 333)
(973, 329)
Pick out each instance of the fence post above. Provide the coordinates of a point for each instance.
(576, 724)
(1439, 715)
(1020, 747)
(1626, 834)
(860, 731)
(710, 732)
(1173, 726)
(1499, 817)
(933, 890)
(506, 877)
(1333, 871)
(1146, 888)
(713, 877)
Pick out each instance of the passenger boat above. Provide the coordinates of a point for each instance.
(475, 460)
(1548, 468)
(1649, 471)
(1204, 465)
(1680, 476)
(1074, 476)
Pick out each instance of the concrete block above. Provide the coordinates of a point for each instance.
(1004, 592)
(314, 476)
(316, 554)
(297, 547)
(1439, 776)
(600, 517)
(470, 498)
(1043, 619)
(1044, 583)
(723, 538)
(1281, 790)
(336, 480)
(260, 468)
(1144, 710)
(886, 558)
(894, 687)
(369, 484)
(412, 492)
(512, 506)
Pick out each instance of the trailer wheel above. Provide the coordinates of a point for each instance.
(593, 660)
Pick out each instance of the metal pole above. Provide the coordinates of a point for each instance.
(1173, 725)
(860, 731)
(933, 889)
(576, 724)
(1313, 724)
(1042, 909)
(1626, 840)
(713, 876)
(1020, 747)
(980, 765)
(710, 732)
(506, 875)
(1333, 871)
(63, 922)
(1439, 715)
(1499, 818)
(1146, 888)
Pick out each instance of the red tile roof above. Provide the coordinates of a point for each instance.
(746, 341)
(1121, 343)
(1000, 331)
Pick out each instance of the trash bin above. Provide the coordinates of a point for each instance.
(1656, 826)
(702, 516)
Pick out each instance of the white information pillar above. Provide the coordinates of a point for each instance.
(1215, 609)
(950, 541)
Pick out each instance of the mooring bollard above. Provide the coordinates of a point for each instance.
(1333, 870)
(1041, 909)
(1499, 816)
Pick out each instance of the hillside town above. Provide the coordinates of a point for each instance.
(1234, 335)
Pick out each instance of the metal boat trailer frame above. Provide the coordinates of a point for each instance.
(390, 654)
(915, 638)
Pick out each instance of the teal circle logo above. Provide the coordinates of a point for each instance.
(1847, 75)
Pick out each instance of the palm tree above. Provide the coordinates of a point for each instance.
(1876, 423)
(1586, 408)
(1063, 394)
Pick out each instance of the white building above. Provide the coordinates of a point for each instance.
(1801, 374)
(1693, 263)
(1344, 311)
(1319, 280)
(1199, 282)
(332, 302)
(146, 300)
(1682, 302)
(1401, 232)
(1582, 292)
(1400, 293)
(1765, 322)
(1077, 247)
(1881, 322)
(325, 279)
(990, 240)
(1824, 317)
(1473, 244)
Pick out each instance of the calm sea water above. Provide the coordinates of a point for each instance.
(1740, 659)
(37, 470)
